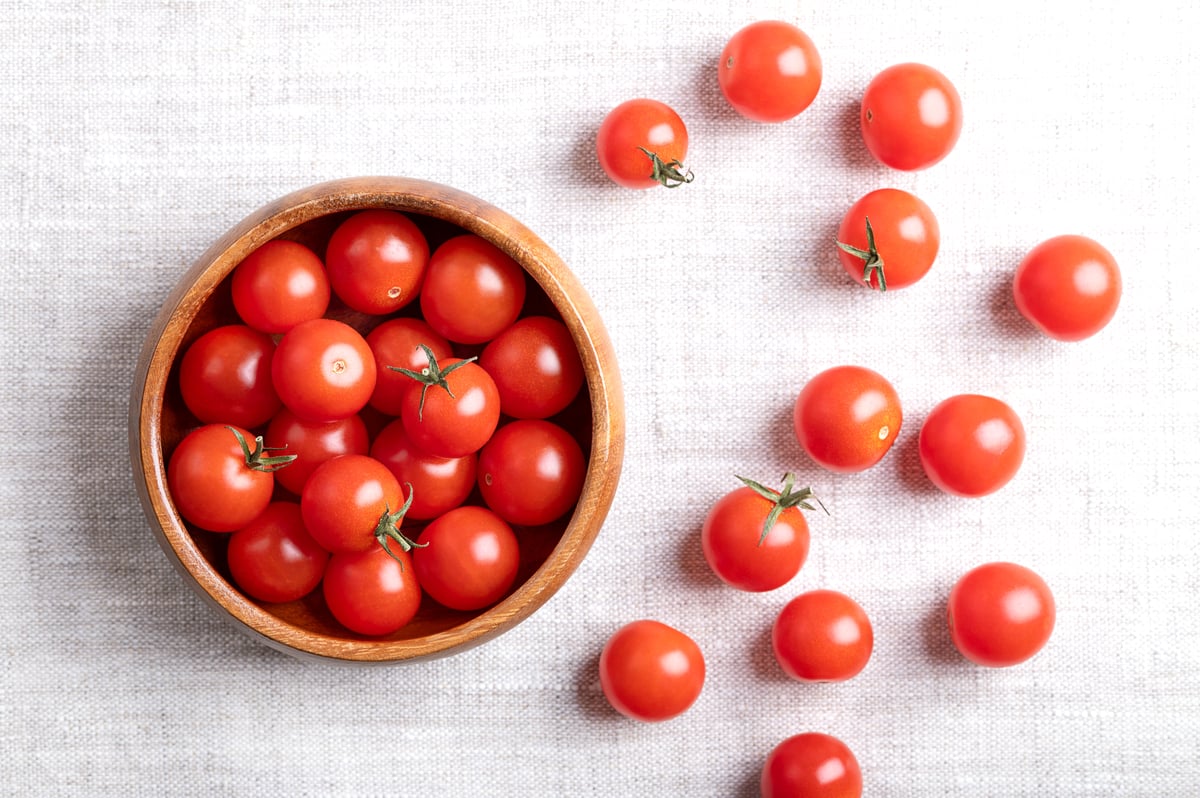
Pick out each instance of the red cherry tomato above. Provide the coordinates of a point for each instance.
(468, 559)
(811, 765)
(323, 370)
(535, 366)
(911, 116)
(217, 481)
(376, 260)
(225, 376)
(755, 538)
(472, 290)
(971, 445)
(279, 285)
(888, 239)
(371, 592)
(822, 636)
(439, 484)
(770, 71)
(642, 144)
(312, 443)
(1000, 614)
(274, 558)
(451, 409)
(531, 472)
(1068, 287)
(353, 503)
(847, 418)
(397, 342)
(650, 671)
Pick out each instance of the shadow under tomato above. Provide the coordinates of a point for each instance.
(1005, 313)
(762, 655)
(589, 694)
(935, 637)
(906, 459)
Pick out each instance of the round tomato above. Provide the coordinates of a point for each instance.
(468, 559)
(397, 342)
(642, 144)
(971, 445)
(217, 481)
(888, 239)
(650, 671)
(439, 484)
(911, 116)
(371, 592)
(353, 502)
(225, 376)
(279, 285)
(531, 472)
(811, 765)
(770, 71)
(535, 366)
(822, 636)
(273, 558)
(376, 260)
(451, 408)
(323, 370)
(755, 538)
(472, 290)
(1068, 286)
(312, 443)
(847, 418)
(1000, 614)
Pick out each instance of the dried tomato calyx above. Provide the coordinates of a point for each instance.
(387, 531)
(783, 500)
(431, 375)
(872, 260)
(257, 458)
(671, 174)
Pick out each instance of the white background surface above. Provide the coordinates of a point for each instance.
(133, 134)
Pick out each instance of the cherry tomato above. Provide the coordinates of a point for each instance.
(279, 285)
(312, 443)
(535, 366)
(397, 342)
(225, 376)
(352, 503)
(439, 484)
(770, 71)
(650, 671)
(376, 260)
(1068, 286)
(847, 418)
(323, 370)
(452, 407)
(888, 239)
(273, 558)
(468, 559)
(472, 290)
(217, 481)
(755, 538)
(1000, 614)
(811, 765)
(531, 472)
(371, 592)
(911, 116)
(642, 144)
(822, 636)
(971, 445)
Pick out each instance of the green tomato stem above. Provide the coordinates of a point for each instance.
(872, 260)
(782, 500)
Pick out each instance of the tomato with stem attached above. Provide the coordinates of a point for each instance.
(468, 558)
(911, 116)
(822, 636)
(397, 342)
(274, 558)
(1068, 286)
(847, 418)
(376, 260)
(650, 671)
(225, 376)
(811, 765)
(642, 144)
(451, 407)
(1000, 614)
(769, 71)
(353, 503)
(888, 239)
(971, 445)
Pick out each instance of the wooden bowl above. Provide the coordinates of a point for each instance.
(202, 300)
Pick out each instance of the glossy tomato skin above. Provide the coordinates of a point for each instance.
(911, 116)
(822, 636)
(376, 260)
(397, 342)
(273, 558)
(1068, 287)
(536, 367)
(1000, 614)
(811, 765)
(971, 445)
(439, 484)
(279, 285)
(472, 291)
(344, 500)
(225, 376)
(730, 538)
(370, 592)
(323, 370)
(847, 418)
(635, 125)
(312, 443)
(906, 233)
(531, 472)
(468, 560)
(770, 71)
(210, 482)
(650, 671)
(456, 422)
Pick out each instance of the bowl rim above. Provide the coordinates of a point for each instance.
(162, 344)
